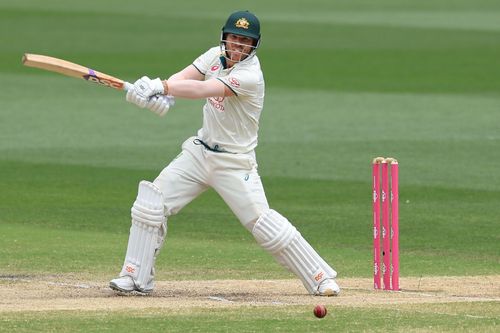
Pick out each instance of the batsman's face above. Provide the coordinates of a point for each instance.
(238, 47)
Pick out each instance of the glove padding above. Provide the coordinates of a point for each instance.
(134, 98)
(143, 89)
(160, 104)
(146, 88)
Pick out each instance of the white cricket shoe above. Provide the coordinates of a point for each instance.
(328, 288)
(123, 283)
(126, 284)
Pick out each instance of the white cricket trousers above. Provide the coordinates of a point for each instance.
(233, 176)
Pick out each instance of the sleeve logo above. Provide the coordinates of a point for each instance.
(234, 82)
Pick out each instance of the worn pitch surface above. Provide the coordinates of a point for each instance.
(53, 293)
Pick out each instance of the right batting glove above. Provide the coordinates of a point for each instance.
(134, 98)
(160, 104)
(146, 88)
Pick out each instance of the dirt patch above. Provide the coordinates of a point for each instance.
(54, 293)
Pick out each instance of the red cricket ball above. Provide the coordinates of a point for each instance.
(320, 311)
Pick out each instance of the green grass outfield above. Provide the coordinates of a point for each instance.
(467, 318)
(346, 81)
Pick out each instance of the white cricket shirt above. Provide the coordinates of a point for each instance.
(232, 123)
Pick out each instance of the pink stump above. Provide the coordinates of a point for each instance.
(376, 224)
(395, 224)
(386, 242)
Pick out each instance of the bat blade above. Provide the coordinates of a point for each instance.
(74, 70)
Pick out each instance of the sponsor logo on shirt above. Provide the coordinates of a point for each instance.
(217, 103)
(234, 82)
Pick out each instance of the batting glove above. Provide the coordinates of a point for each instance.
(134, 98)
(146, 88)
(160, 104)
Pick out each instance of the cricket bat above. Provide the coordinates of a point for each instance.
(74, 70)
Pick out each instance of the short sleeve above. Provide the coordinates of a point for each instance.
(204, 61)
(242, 83)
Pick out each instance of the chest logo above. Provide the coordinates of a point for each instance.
(217, 103)
(214, 68)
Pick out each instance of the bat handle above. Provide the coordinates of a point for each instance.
(127, 86)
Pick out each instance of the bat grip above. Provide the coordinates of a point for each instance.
(127, 86)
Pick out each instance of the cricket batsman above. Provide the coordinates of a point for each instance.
(220, 156)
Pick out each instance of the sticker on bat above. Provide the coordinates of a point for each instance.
(94, 78)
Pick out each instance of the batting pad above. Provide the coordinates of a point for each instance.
(279, 237)
(147, 233)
